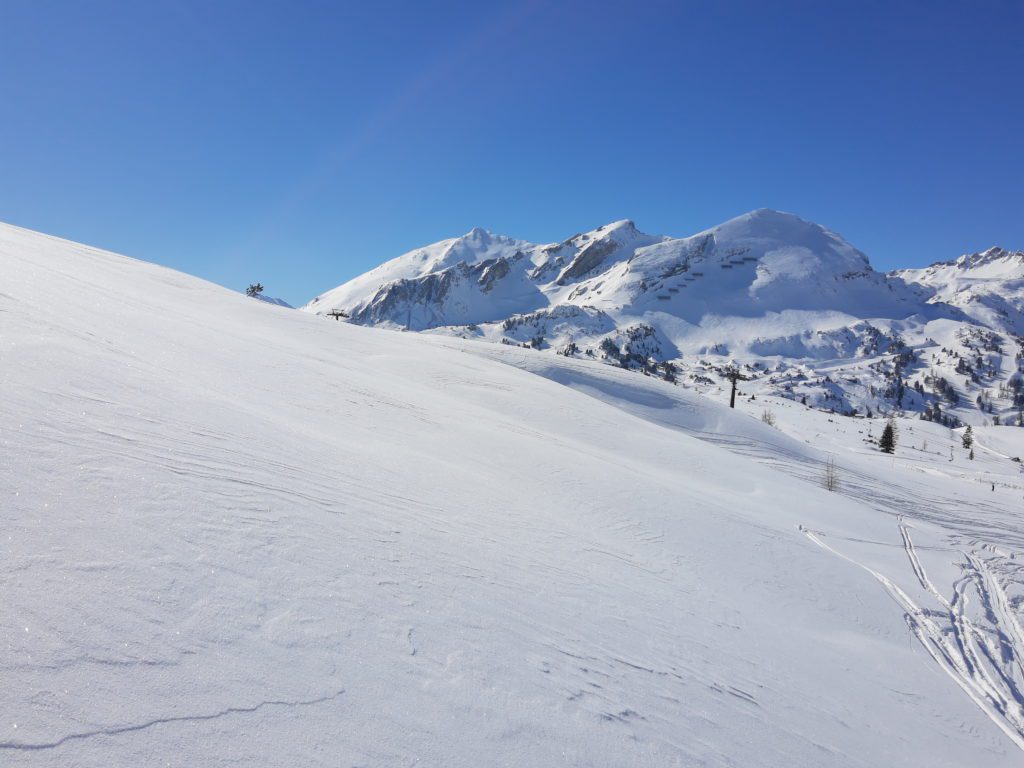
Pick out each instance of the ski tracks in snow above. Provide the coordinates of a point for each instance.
(975, 635)
(982, 652)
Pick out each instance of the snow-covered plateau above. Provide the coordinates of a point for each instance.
(238, 534)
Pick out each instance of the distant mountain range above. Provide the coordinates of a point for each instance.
(797, 308)
(987, 286)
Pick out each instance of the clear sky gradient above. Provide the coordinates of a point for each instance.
(300, 143)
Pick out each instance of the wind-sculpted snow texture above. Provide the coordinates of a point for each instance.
(794, 304)
(234, 534)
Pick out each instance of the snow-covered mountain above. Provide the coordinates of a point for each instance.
(235, 534)
(762, 262)
(987, 286)
(799, 309)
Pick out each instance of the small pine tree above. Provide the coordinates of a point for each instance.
(887, 443)
(968, 437)
(255, 289)
(971, 455)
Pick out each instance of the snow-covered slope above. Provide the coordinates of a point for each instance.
(272, 300)
(236, 534)
(987, 286)
(791, 302)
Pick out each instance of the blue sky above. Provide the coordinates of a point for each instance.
(301, 143)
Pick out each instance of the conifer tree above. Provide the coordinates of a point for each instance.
(887, 443)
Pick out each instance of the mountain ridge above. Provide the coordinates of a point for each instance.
(767, 290)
